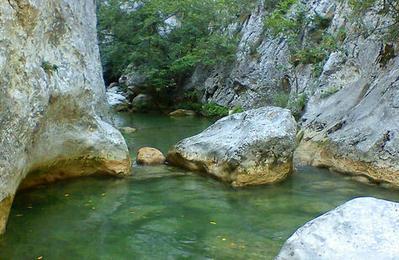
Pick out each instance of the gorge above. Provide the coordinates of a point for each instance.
(298, 84)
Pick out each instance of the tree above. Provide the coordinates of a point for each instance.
(141, 36)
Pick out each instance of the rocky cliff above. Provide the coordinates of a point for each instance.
(52, 95)
(351, 120)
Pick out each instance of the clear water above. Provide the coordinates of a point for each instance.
(166, 213)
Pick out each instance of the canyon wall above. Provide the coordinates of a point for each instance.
(351, 119)
(52, 98)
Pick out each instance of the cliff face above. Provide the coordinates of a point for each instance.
(351, 121)
(52, 96)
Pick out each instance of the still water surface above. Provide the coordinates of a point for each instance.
(167, 213)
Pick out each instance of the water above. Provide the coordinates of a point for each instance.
(166, 213)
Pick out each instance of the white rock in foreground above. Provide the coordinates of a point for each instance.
(254, 147)
(363, 228)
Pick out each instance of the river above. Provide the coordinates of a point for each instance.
(167, 213)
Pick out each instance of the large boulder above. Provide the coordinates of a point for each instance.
(52, 98)
(363, 228)
(254, 147)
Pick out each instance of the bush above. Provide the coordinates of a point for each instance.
(214, 110)
(298, 104)
(236, 110)
(325, 93)
(281, 99)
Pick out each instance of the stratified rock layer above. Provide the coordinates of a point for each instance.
(364, 228)
(351, 122)
(52, 98)
(254, 147)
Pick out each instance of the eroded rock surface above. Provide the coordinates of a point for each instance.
(254, 147)
(52, 98)
(351, 121)
(363, 228)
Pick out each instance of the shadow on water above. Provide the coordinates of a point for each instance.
(163, 212)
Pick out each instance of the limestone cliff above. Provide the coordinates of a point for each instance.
(351, 121)
(52, 98)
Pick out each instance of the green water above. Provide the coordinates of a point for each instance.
(165, 213)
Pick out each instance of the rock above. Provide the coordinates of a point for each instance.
(182, 113)
(52, 99)
(133, 91)
(254, 147)
(150, 156)
(113, 84)
(134, 78)
(116, 99)
(354, 95)
(142, 102)
(127, 130)
(363, 228)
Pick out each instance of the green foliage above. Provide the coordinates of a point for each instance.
(49, 68)
(298, 104)
(325, 93)
(321, 22)
(341, 34)
(278, 22)
(236, 110)
(292, 26)
(214, 110)
(314, 53)
(166, 55)
(281, 99)
(361, 5)
(385, 8)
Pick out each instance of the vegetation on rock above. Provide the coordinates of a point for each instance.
(165, 40)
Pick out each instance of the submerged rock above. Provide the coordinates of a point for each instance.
(182, 112)
(150, 156)
(363, 228)
(254, 147)
(127, 130)
(52, 99)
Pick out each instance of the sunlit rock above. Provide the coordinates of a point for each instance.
(364, 228)
(254, 147)
(150, 156)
